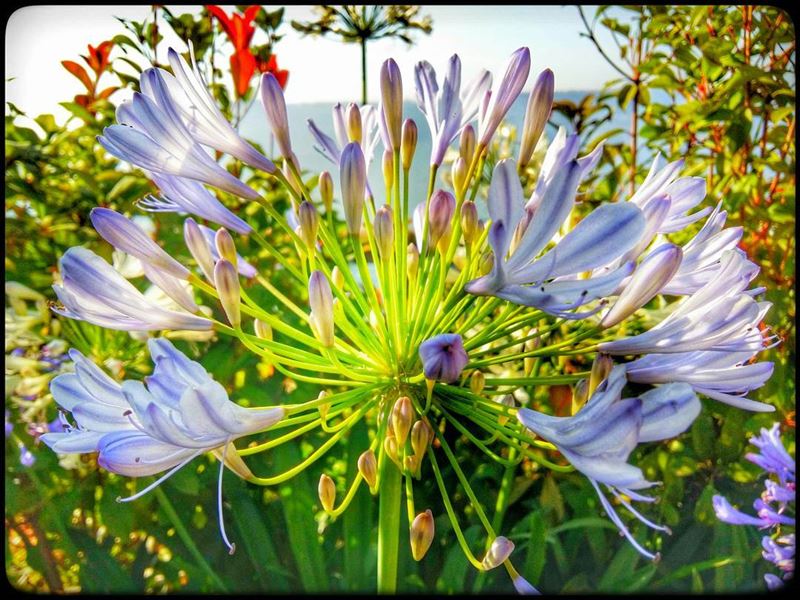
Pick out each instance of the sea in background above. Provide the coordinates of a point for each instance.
(254, 126)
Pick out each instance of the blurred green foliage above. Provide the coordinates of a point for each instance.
(714, 85)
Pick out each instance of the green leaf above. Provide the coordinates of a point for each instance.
(78, 110)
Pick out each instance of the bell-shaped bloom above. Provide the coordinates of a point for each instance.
(152, 135)
(720, 316)
(650, 277)
(703, 253)
(201, 115)
(392, 102)
(500, 100)
(723, 376)
(187, 196)
(772, 455)
(684, 193)
(353, 178)
(448, 109)
(540, 103)
(549, 282)
(139, 430)
(443, 357)
(599, 439)
(93, 291)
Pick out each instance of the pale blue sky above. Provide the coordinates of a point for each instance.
(39, 37)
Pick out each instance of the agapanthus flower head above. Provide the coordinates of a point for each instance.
(413, 313)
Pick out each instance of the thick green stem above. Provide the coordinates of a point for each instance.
(388, 527)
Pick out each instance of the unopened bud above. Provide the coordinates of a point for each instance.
(486, 263)
(353, 179)
(388, 169)
(580, 395)
(275, 109)
(384, 231)
(327, 492)
(458, 172)
(309, 222)
(408, 145)
(601, 368)
(652, 274)
(325, 406)
(469, 222)
(402, 416)
(226, 280)
(198, 246)
(421, 435)
(321, 301)
(505, 400)
(476, 382)
(353, 123)
(466, 144)
(225, 245)
(411, 463)
(392, 101)
(412, 260)
(422, 531)
(326, 190)
(368, 467)
(500, 550)
(390, 447)
(440, 215)
(337, 278)
(262, 330)
(540, 102)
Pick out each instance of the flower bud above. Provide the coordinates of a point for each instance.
(421, 435)
(326, 190)
(226, 280)
(225, 245)
(477, 381)
(368, 467)
(466, 144)
(402, 415)
(459, 175)
(507, 91)
(390, 447)
(486, 263)
(500, 550)
(540, 103)
(353, 123)
(198, 246)
(309, 222)
(388, 169)
(412, 260)
(580, 394)
(321, 301)
(652, 274)
(392, 101)
(443, 357)
(440, 215)
(421, 534)
(327, 492)
(325, 406)
(384, 231)
(275, 109)
(470, 222)
(337, 278)
(353, 177)
(505, 400)
(601, 368)
(262, 330)
(408, 144)
(411, 463)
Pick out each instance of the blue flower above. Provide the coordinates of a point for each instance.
(443, 357)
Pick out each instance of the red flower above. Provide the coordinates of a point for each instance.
(98, 57)
(243, 65)
(271, 66)
(239, 28)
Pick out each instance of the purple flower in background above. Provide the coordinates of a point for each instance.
(26, 457)
(8, 425)
(775, 507)
(443, 357)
